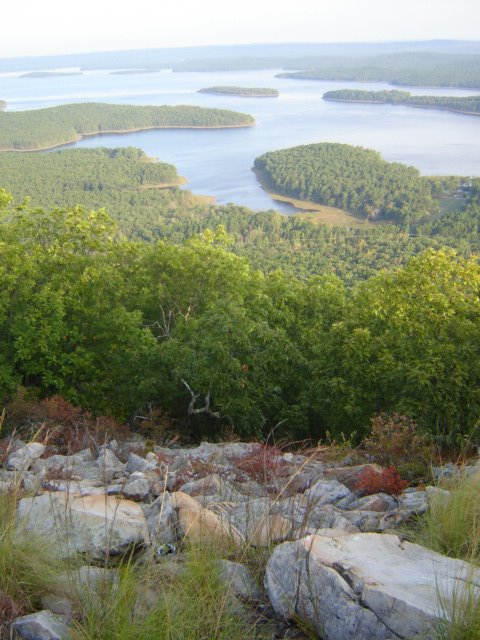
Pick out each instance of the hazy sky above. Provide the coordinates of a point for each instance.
(36, 27)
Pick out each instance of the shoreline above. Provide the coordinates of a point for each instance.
(105, 132)
(307, 209)
(406, 104)
(165, 185)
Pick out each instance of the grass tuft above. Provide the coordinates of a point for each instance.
(29, 563)
(452, 524)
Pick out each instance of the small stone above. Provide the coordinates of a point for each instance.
(240, 580)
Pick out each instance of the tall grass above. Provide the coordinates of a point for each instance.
(452, 524)
(29, 563)
(461, 616)
(171, 600)
(452, 527)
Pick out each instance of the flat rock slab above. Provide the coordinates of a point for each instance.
(98, 525)
(366, 586)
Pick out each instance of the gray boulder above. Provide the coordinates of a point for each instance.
(109, 465)
(161, 520)
(137, 463)
(366, 586)
(239, 580)
(21, 459)
(42, 625)
(328, 492)
(137, 487)
(98, 525)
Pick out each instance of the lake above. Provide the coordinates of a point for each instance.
(219, 162)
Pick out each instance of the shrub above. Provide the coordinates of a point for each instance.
(386, 481)
(261, 464)
(395, 440)
(63, 427)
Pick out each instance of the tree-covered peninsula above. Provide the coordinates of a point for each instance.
(248, 92)
(348, 177)
(468, 105)
(54, 126)
(70, 175)
(402, 69)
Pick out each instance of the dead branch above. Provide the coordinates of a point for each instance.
(206, 409)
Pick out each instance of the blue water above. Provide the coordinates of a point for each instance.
(218, 162)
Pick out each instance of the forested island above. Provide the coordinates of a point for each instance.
(468, 105)
(348, 177)
(255, 92)
(54, 126)
(50, 74)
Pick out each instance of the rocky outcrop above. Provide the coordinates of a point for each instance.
(332, 565)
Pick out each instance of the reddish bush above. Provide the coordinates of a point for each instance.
(261, 464)
(9, 610)
(386, 481)
(61, 412)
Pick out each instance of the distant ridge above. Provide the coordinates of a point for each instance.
(271, 54)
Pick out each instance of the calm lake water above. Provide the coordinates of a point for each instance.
(219, 162)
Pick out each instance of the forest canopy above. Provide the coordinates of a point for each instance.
(114, 325)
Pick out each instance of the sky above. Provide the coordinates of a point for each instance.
(43, 27)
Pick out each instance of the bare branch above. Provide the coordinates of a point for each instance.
(167, 320)
(206, 409)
